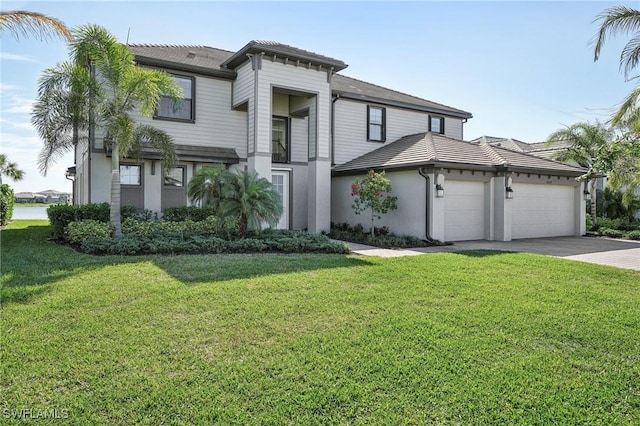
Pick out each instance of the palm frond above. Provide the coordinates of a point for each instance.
(630, 56)
(614, 20)
(149, 136)
(23, 23)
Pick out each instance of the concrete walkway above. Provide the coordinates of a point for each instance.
(603, 251)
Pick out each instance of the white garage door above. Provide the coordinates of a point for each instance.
(464, 211)
(542, 211)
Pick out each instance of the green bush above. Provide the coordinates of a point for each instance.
(6, 204)
(633, 235)
(180, 214)
(77, 232)
(60, 215)
(612, 233)
(356, 234)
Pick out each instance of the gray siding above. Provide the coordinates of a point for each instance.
(351, 128)
(216, 123)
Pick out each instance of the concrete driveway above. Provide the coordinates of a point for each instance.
(603, 251)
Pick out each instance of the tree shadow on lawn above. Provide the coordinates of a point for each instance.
(31, 263)
(483, 253)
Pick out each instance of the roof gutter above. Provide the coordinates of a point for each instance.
(406, 105)
(333, 128)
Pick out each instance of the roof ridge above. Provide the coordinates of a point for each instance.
(491, 152)
(540, 158)
(428, 136)
(401, 93)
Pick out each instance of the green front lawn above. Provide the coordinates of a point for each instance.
(471, 338)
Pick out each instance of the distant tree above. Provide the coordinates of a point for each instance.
(586, 144)
(73, 97)
(251, 198)
(621, 19)
(373, 193)
(23, 23)
(9, 169)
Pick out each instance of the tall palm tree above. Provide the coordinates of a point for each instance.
(621, 19)
(9, 169)
(101, 85)
(21, 22)
(251, 198)
(586, 144)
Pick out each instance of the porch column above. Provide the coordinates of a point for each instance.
(502, 209)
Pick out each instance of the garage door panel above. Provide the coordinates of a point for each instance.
(542, 211)
(464, 211)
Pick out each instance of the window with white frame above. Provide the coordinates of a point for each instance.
(376, 117)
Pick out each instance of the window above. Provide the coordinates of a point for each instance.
(181, 110)
(175, 177)
(436, 124)
(279, 140)
(129, 175)
(376, 124)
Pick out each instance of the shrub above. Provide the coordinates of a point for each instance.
(77, 232)
(6, 204)
(634, 235)
(612, 233)
(180, 214)
(60, 215)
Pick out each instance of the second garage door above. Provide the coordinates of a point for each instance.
(464, 211)
(542, 211)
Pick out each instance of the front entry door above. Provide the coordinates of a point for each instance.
(173, 188)
(280, 181)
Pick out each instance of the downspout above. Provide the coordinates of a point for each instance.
(426, 205)
(333, 128)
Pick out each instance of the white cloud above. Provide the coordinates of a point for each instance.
(23, 125)
(6, 56)
(17, 105)
(7, 88)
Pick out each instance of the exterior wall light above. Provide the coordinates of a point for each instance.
(508, 192)
(587, 195)
(439, 191)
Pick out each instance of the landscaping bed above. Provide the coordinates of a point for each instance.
(615, 228)
(382, 237)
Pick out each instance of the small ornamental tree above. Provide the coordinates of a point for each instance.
(373, 193)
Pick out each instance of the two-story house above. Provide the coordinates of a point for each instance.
(290, 115)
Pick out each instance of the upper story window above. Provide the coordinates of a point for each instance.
(280, 140)
(436, 124)
(183, 109)
(376, 123)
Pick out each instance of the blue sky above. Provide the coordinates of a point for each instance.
(524, 69)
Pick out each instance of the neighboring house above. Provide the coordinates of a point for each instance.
(287, 114)
(29, 197)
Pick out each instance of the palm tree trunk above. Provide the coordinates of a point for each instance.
(115, 192)
(593, 200)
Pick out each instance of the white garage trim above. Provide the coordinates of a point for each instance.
(543, 210)
(464, 210)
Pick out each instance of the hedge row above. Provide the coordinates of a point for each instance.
(61, 215)
(6, 204)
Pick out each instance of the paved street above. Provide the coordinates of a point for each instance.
(603, 251)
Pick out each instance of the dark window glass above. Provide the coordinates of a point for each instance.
(183, 108)
(279, 140)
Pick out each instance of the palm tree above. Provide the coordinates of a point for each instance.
(9, 169)
(621, 19)
(251, 198)
(21, 22)
(102, 86)
(586, 144)
(206, 187)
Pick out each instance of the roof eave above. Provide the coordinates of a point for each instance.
(177, 66)
(240, 57)
(407, 105)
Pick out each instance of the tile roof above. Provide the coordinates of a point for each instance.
(211, 61)
(361, 90)
(280, 49)
(434, 149)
